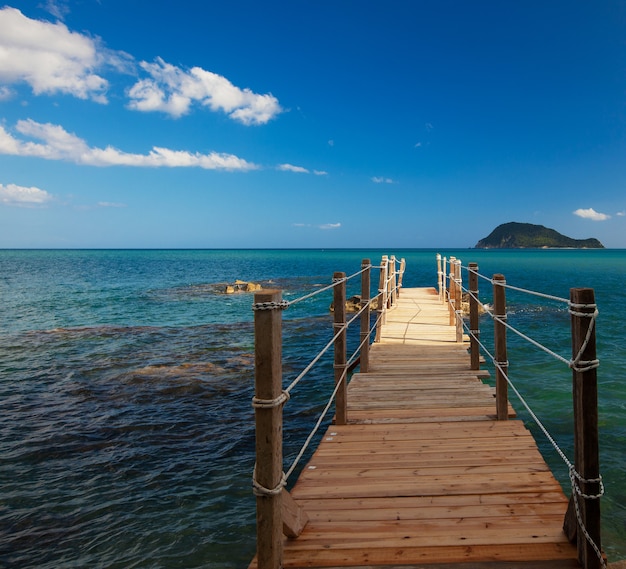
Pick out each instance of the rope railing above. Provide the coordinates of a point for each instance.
(269, 479)
(289, 303)
(574, 476)
(321, 417)
(582, 522)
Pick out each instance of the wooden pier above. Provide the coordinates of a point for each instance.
(423, 474)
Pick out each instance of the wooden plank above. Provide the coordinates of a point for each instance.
(334, 555)
(295, 518)
(319, 511)
(530, 499)
(552, 564)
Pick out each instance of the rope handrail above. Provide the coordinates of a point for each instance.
(579, 483)
(327, 347)
(533, 415)
(574, 476)
(313, 432)
(320, 419)
(353, 357)
(327, 287)
(573, 363)
(518, 289)
(270, 394)
(308, 368)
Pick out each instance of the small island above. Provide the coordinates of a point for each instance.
(528, 236)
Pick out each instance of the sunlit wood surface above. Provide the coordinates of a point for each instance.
(422, 474)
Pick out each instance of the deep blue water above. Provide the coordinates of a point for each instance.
(126, 431)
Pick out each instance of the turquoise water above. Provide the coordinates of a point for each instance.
(126, 378)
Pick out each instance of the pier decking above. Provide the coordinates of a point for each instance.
(423, 474)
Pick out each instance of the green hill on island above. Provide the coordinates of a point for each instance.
(526, 235)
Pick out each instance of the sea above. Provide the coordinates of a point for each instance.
(126, 379)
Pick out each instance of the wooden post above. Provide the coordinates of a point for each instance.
(401, 274)
(268, 411)
(499, 330)
(439, 276)
(458, 296)
(443, 281)
(339, 325)
(382, 301)
(586, 447)
(451, 293)
(474, 331)
(365, 315)
(393, 281)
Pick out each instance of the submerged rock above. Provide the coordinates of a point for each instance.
(465, 305)
(242, 286)
(353, 304)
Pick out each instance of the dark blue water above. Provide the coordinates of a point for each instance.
(126, 377)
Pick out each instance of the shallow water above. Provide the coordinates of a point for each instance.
(126, 377)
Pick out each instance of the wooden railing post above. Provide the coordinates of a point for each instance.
(401, 274)
(439, 276)
(473, 303)
(365, 315)
(499, 330)
(586, 447)
(339, 326)
(393, 281)
(458, 296)
(382, 301)
(268, 411)
(451, 293)
(444, 298)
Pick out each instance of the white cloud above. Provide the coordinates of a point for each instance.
(58, 8)
(111, 204)
(621, 213)
(49, 57)
(5, 93)
(52, 59)
(320, 173)
(58, 144)
(323, 226)
(173, 90)
(591, 214)
(12, 194)
(292, 168)
(381, 180)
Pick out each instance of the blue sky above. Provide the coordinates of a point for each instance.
(321, 124)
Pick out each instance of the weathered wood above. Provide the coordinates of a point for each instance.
(499, 330)
(382, 297)
(269, 428)
(295, 518)
(451, 293)
(553, 564)
(473, 303)
(444, 297)
(458, 313)
(401, 274)
(341, 402)
(404, 554)
(439, 277)
(365, 315)
(586, 447)
(392, 285)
